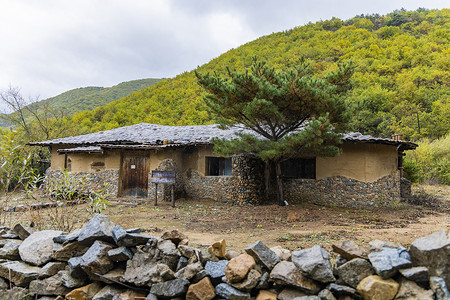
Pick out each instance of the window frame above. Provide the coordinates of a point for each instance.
(304, 168)
(223, 165)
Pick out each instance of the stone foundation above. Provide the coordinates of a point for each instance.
(93, 180)
(342, 191)
(218, 188)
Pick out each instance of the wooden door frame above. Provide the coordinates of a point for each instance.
(130, 153)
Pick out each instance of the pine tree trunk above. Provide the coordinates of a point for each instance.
(267, 180)
(279, 184)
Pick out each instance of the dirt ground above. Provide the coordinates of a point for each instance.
(295, 226)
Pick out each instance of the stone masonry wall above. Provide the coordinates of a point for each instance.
(93, 180)
(248, 180)
(343, 191)
(218, 188)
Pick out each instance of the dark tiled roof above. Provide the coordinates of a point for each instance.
(152, 134)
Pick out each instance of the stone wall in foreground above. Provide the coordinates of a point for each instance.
(103, 260)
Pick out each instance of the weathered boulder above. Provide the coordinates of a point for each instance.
(23, 231)
(409, 290)
(120, 254)
(84, 292)
(21, 274)
(189, 271)
(249, 282)
(71, 249)
(266, 295)
(417, 274)
(355, 270)
(263, 255)
(376, 288)
(170, 289)
(238, 267)
(433, 252)
(216, 270)
(10, 250)
(160, 251)
(99, 228)
(348, 250)
(286, 273)
(49, 286)
(231, 254)
(228, 292)
(174, 236)
(283, 254)
(187, 251)
(315, 263)
(202, 290)
(438, 285)
(37, 249)
(75, 267)
(218, 249)
(96, 259)
(387, 261)
(116, 274)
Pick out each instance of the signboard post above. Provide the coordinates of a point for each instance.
(164, 177)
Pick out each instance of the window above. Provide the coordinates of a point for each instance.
(299, 168)
(218, 166)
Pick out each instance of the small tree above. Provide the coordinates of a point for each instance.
(291, 112)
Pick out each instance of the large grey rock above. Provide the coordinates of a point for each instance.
(69, 250)
(409, 290)
(142, 273)
(249, 282)
(115, 274)
(342, 290)
(315, 263)
(290, 294)
(21, 273)
(189, 271)
(161, 251)
(417, 274)
(348, 250)
(96, 259)
(170, 289)
(326, 294)
(99, 228)
(69, 281)
(51, 268)
(67, 237)
(127, 239)
(49, 286)
(228, 292)
(120, 254)
(10, 250)
(216, 270)
(355, 270)
(75, 269)
(37, 249)
(263, 255)
(387, 261)
(286, 273)
(433, 252)
(438, 285)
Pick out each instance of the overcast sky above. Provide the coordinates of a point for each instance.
(51, 46)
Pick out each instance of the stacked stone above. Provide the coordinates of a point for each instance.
(248, 180)
(104, 261)
(94, 181)
(342, 191)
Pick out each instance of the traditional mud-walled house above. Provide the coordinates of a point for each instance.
(367, 172)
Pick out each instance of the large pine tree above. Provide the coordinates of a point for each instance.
(293, 113)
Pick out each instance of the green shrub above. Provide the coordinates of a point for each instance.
(411, 171)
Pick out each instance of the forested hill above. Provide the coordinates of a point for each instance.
(88, 98)
(401, 83)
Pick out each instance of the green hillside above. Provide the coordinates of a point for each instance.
(401, 83)
(89, 98)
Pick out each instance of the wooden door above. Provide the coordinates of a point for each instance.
(134, 174)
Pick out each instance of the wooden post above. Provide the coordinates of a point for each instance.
(173, 195)
(156, 194)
